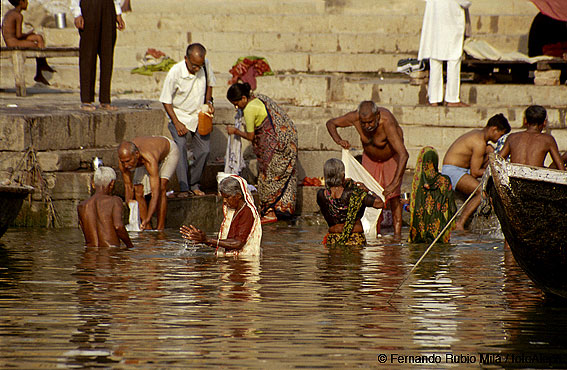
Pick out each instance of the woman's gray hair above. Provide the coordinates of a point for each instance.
(104, 176)
(230, 186)
(334, 172)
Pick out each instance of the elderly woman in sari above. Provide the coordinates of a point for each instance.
(241, 231)
(274, 140)
(342, 203)
(432, 202)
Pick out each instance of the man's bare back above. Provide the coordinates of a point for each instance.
(153, 149)
(98, 216)
(12, 32)
(531, 148)
(471, 147)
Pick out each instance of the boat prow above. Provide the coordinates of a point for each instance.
(11, 199)
(531, 205)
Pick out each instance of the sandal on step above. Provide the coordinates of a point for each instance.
(88, 107)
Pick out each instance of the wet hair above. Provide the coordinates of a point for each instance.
(535, 115)
(230, 186)
(104, 176)
(334, 172)
(500, 122)
(15, 2)
(368, 104)
(237, 91)
(199, 48)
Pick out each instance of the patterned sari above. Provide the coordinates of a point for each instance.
(432, 202)
(275, 146)
(347, 237)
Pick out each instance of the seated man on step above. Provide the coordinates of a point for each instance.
(465, 161)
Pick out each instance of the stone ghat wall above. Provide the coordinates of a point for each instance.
(67, 142)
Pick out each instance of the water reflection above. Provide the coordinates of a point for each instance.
(162, 304)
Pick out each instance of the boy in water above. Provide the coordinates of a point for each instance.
(13, 37)
(100, 216)
(532, 146)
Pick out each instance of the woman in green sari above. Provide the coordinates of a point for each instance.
(432, 202)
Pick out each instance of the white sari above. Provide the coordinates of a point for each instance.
(252, 245)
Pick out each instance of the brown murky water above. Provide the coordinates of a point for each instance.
(162, 305)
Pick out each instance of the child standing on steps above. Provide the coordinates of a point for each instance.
(13, 36)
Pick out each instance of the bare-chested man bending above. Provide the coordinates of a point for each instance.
(100, 216)
(465, 161)
(384, 153)
(532, 145)
(154, 159)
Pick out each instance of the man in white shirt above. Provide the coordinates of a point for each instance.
(97, 21)
(442, 37)
(189, 85)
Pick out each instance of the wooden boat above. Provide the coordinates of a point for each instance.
(531, 205)
(11, 199)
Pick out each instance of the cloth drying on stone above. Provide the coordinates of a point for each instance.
(153, 61)
(247, 68)
(355, 171)
(482, 50)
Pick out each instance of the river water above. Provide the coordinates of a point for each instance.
(166, 305)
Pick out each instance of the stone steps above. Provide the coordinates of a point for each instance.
(316, 23)
(316, 89)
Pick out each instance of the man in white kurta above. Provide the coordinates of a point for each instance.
(442, 37)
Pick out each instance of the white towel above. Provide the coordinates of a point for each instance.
(355, 171)
(134, 218)
(234, 161)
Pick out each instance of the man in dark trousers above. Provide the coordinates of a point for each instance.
(97, 21)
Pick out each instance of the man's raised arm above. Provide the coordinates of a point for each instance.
(346, 120)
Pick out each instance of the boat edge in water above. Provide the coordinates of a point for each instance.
(531, 205)
(11, 200)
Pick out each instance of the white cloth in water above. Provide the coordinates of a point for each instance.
(252, 245)
(134, 217)
(234, 161)
(443, 30)
(354, 170)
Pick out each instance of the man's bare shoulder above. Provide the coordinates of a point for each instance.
(389, 116)
(10, 17)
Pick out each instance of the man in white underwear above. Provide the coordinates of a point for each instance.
(148, 162)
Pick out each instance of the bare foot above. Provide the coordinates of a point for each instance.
(459, 104)
(198, 192)
(88, 107)
(435, 104)
(108, 107)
